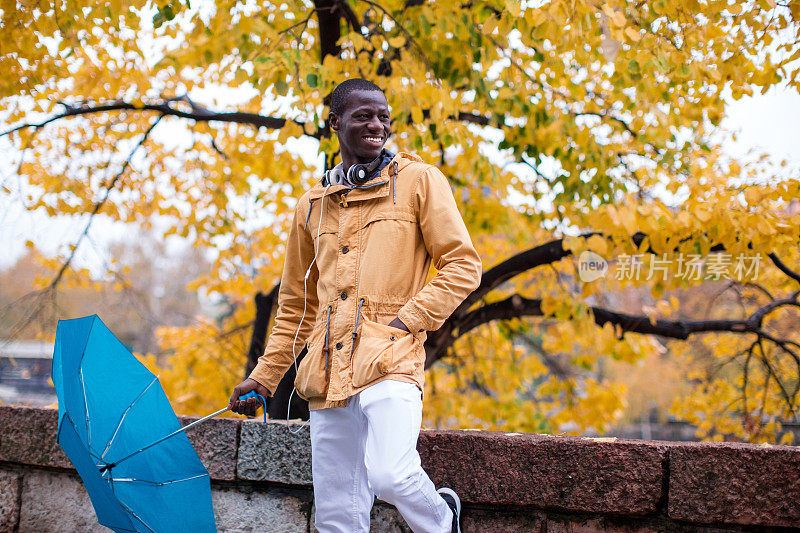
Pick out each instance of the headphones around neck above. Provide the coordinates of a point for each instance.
(355, 174)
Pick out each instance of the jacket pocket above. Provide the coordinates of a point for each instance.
(312, 378)
(381, 350)
(393, 215)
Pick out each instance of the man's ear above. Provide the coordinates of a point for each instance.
(333, 121)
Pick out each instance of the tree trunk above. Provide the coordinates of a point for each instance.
(278, 405)
(264, 304)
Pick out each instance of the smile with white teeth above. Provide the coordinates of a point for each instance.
(374, 140)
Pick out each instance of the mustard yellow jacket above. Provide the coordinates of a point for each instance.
(367, 252)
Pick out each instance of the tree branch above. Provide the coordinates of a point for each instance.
(202, 114)
(462, 320)
(197, 114)
(771, 372)
(783, 268)
(522, 262)
(328, 15)
(540, 255)
(550, 360)
(516, 306)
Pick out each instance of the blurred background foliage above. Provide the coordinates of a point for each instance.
(203, 123)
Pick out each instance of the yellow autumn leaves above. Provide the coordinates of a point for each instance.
(550, 121)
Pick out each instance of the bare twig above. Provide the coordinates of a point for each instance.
(99, 205)
(409, 37)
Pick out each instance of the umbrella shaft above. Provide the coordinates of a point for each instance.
(198, 421)
(162, 439)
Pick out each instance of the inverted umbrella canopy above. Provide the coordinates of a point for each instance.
(113, 416)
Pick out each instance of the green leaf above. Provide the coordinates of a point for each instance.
(312, 80)
(425, 26)
(281, 87)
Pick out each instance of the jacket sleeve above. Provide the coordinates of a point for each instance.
(452, 253)
(295, 292)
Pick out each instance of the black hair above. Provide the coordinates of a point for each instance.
(342, 92)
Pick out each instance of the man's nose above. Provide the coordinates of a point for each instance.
(375, 124)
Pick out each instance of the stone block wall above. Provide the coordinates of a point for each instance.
(509, 482)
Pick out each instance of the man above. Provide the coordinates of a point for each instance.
(353, 289)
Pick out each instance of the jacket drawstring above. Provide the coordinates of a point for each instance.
(394, 182)
(368, 186)
(308, 216)
(355, 329)
(326, 348)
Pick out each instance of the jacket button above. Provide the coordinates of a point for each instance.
(345, 249)
(339, 345)
(343, 296)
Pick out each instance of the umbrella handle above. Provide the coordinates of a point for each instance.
(254, 394)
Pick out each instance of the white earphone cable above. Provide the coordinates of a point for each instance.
(305, 302)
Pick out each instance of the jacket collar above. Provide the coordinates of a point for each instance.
(377, 187)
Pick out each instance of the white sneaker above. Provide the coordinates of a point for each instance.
(451, 498)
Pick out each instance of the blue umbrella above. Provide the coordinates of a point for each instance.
(120, 432)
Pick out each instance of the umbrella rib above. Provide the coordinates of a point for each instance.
(83, 385)
(86, 405)
(137, 517)
(72, 423)
(124, 414)
(162, 439)
(156, 483)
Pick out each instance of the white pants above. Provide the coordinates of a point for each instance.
(367, 449)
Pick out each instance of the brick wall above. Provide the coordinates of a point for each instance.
(509, 482)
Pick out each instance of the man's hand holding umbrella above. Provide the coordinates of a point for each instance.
(250, 405)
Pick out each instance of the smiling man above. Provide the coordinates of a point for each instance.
(353, 290)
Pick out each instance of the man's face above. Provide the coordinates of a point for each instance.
(363, 126)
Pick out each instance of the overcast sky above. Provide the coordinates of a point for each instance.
(769, 122)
